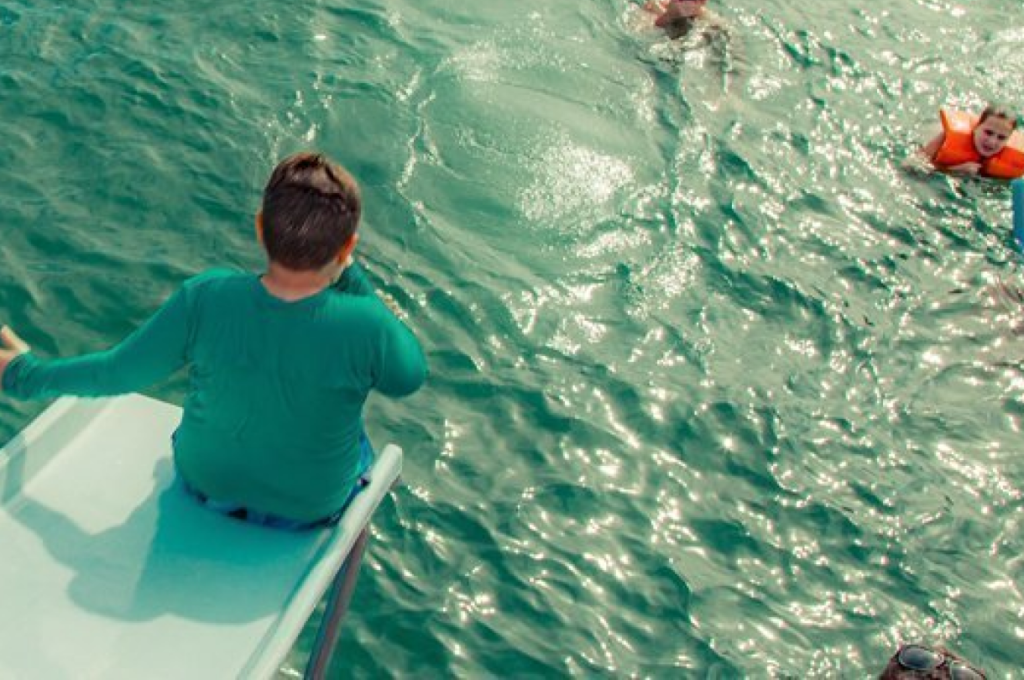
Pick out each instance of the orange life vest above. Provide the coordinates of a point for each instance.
(958, 147)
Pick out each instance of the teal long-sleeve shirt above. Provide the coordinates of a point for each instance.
(273, 415)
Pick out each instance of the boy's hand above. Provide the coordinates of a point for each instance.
(10, 346)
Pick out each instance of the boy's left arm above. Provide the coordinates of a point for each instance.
(403, 368)
(354, 281)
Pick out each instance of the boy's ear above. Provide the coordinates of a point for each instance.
(259, 226)
(347, 248)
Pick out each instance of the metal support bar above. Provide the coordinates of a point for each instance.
(337, 604)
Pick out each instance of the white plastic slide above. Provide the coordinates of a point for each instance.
(108, 570)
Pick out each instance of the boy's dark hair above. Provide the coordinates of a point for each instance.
(999, 111)
(311, 207)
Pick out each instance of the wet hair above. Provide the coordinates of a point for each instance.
(998, 111)
(895, 671)
(311, 207)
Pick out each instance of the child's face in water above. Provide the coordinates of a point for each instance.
(992, 134)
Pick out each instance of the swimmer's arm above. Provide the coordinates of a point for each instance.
(964, 169)
(932, 147)
(923, 159)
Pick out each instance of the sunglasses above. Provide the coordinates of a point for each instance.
(921, 658)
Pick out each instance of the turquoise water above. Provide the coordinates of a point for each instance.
(718, 388)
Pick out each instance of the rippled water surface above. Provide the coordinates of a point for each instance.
(719, 387)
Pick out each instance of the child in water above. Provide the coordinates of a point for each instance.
(677, 17)
(695, 27)
(987, 145)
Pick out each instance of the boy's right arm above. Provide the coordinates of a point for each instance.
(153, 351)
(964, 169)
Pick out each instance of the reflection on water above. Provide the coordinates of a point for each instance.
(718, 387)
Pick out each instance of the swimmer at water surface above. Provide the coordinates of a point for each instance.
(988, 145)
